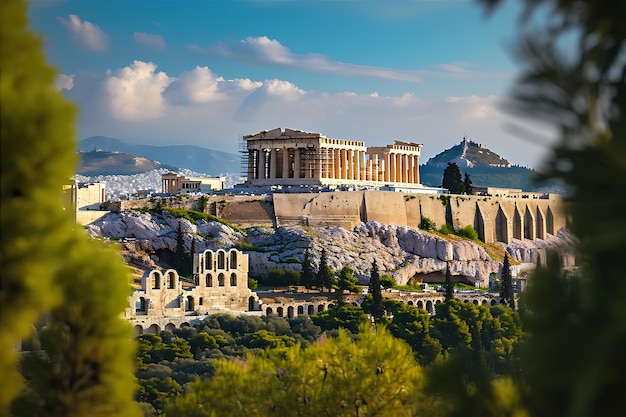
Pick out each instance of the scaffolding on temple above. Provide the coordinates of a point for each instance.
(243, 151)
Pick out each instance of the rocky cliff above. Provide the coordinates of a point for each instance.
(149, 241)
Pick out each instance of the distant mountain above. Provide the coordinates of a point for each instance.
(116, 163)
(194, 158)
(485, 168)
(468, 154)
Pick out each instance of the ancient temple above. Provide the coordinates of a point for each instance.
(293, 157)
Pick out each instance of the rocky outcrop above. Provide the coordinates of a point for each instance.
(402, 252)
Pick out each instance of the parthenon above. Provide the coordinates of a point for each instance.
(294, 157)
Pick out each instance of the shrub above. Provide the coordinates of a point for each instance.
(446, 229)
(427, 224)
(468, 232)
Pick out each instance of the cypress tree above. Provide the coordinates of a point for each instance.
(374, 289)
(325, 277)
(467, 184)
(307, 278)
(452, 179)
(506, 292)
(449, 285)
(180, 256)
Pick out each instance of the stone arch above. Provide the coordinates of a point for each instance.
(208, 260)
(429, 306)
(154, 329)
(137, 330)
(252, 306)
(171, 280)
(420, 304)
(233, 280)
(300, 310)
(410, 302)
(529, 225)
(156, 280)
(502, 226)
(475, 302)
(221, 259)
(170, 326)
(190, 304)
(141, 306)
(517, 225)
(541, 224)
(466, 301)
(220, 280)
(208, 280)
(483, 302)
(331, 305)
(310, 309)
(279, 311)
(320, 308)
(269, 311)
(493, 302)
(290, 313)
(550, 221)
(184, 324)
(233, 259)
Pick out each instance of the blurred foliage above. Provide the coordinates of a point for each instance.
(54, 278)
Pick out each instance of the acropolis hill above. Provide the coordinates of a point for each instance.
(385, 188)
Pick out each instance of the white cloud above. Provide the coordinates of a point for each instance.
(135, 92)
(196, 86)
(282, 88)
(153, 41)
(64, 82)
(199, 107)
(85, 33)
(263, 50)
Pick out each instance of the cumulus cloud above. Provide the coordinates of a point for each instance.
(64, 82)
(135, 92)
(148, 39)
(196, 86)
(85, 33)
(202, 108)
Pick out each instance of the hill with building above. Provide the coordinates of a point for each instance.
(485, 167)
(194, 158)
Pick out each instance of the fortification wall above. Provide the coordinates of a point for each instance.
(494, 218)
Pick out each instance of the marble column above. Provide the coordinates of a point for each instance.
(261, 167)
(286, 163)
(273, 164)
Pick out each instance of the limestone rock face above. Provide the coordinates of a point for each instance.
(402, 252)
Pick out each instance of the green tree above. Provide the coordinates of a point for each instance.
(467, 184)
(37, 159)
(325, 275)
(347, 281)
(387, 281)
(49, 266)
(344, 316)
(377, 308)
(413, 325)
(449, 285)
(452, 179)
(308, 277)
(180, 256)
(374, 375)
(506, 290)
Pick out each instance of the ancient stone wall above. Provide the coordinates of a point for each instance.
(494, 218)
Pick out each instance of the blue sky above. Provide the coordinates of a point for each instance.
(207, 72)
